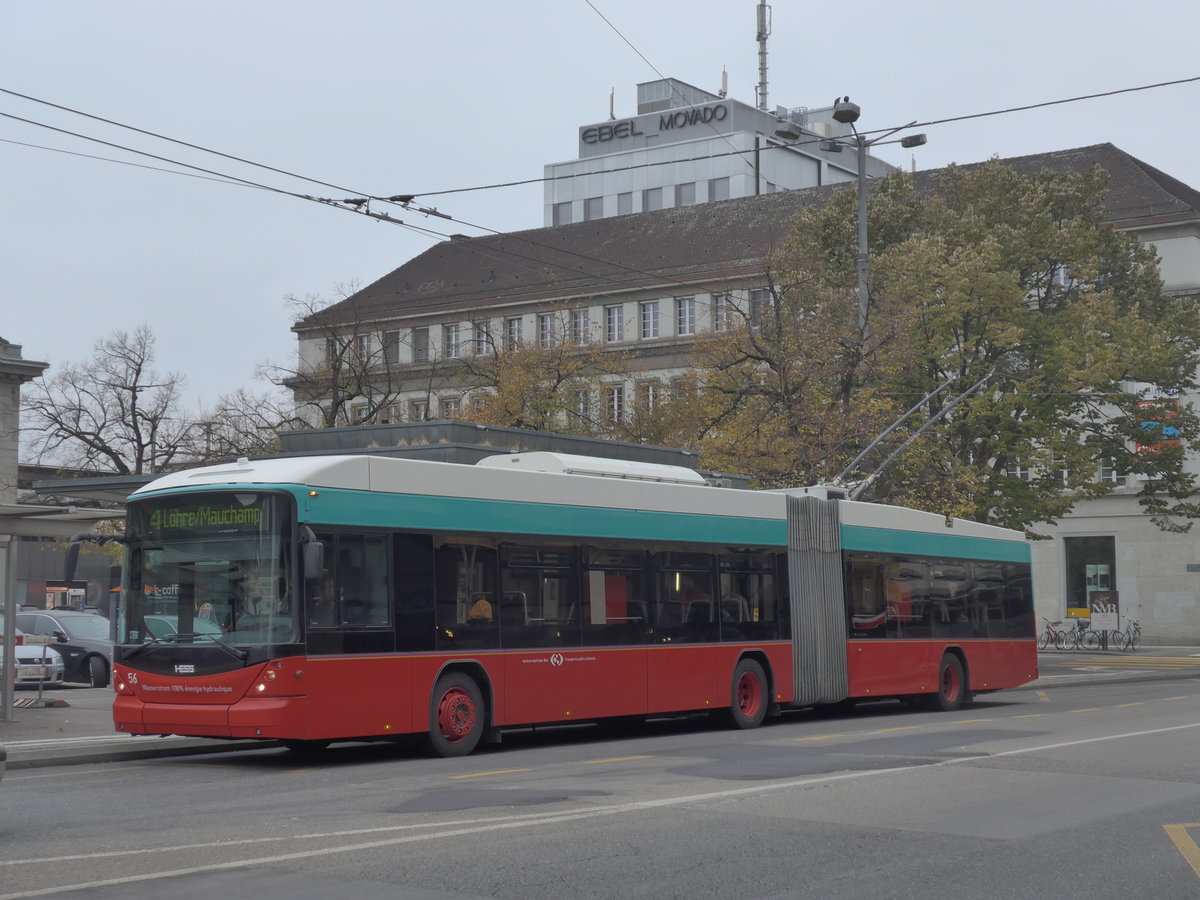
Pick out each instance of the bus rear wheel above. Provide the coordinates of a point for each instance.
(748, 695)
(952, 685)
(456, 715)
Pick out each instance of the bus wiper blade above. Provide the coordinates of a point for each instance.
(141, 648)
(239, 655)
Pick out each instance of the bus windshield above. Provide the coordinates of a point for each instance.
(206, 567)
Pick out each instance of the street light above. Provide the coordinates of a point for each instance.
(847, 113)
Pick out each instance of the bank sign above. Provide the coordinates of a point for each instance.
(666, 121)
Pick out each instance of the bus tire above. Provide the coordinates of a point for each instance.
(951, 685)
(97, 671)
(748, 697)
(456, 715)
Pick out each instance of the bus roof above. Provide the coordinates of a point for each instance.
(527, 484)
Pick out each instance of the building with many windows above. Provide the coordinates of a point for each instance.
(687, 146)
(645, 285)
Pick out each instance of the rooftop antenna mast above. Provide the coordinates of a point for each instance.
(764, 32)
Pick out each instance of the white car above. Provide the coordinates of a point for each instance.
(35, 664)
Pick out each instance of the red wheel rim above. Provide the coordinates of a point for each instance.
(749, 695)
(951, 683)
(455, 715)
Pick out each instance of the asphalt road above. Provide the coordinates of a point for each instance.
(1076, 790)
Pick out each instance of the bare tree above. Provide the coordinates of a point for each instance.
(347, 370)
(243, 423)
(113, 413)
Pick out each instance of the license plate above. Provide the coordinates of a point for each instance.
(40, 673)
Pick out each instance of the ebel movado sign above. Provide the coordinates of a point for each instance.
(667, 120)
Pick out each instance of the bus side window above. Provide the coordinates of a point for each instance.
(615, 596)
(466, 581)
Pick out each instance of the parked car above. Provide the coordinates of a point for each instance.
(35, 664)
(81, 637)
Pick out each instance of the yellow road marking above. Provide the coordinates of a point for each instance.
(600, 762)
(903, 728)
(1042, 696)
(1030, 716)
(969, 721)
(1184, 844)
(1165, 699)
(1088, 709)
(486, 774)
(1123, 705)
(820, 737)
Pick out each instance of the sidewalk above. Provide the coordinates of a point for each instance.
(82, 731)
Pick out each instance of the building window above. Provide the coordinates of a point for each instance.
(718, 189)
(362, 348)
(593, 208)
(451, 345)
(418, 410)
(723, 312)
(649, 319)
(583, 404)
(449, 407)
(615, 402)
(331, 351)
(389, 415)
(547, 330)
(1109, 473)
(625, 203)
(685, 316)
(483, 338)
(1017, 469)
(358, 414)
(1060, 281)
(651, 199)
(614, 324)
(759, 301)
(391, 347)
(685, 194)
(581, 326)
(562, 213)
(512, 333)
(420, 344)
(650, 394)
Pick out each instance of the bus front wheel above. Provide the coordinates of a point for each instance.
(456, 715)
(951, 686)
(748, 695)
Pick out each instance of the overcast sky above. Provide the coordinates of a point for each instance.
(413, 97)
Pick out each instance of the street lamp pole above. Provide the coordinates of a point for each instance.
(863, 259)
(847, 113)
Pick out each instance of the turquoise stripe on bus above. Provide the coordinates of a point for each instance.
(516, 517)
(333, 506)
(917, 543)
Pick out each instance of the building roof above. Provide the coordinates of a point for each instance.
(685, 245)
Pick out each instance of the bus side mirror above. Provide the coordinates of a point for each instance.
(314, 560)
(73, 550)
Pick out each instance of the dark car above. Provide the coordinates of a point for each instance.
(81, 637)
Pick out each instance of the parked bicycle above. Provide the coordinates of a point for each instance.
(1129, 638)
(1052, 635)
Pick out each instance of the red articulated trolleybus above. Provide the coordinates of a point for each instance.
(330, 598)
